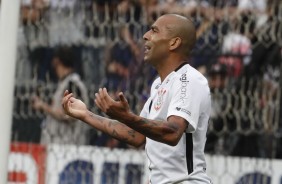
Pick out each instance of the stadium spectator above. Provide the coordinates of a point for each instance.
(177, 6)
(42, 39)
(207, 34)
(129, 10)
(119, 59)
(32, 10)
(264, 66)
(174, 120)
(218, 79)
(30, 37)
(265, 54)
(57, 127)
(121, 63)
(150, 7)
(236, 46)
(61, 28)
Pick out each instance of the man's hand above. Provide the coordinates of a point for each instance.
(73, 107)
(37, 103)
(118, 110)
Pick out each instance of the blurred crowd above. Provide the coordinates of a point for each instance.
(238, 49)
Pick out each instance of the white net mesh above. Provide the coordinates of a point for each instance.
(238, 49)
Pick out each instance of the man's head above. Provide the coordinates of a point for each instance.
(63, 60)
(217, 76)
(170, 34)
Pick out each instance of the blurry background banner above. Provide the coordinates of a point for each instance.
(238, 49)
(31, 163)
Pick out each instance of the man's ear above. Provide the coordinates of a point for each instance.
(174, 43)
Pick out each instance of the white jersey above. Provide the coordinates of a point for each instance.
(183, 93)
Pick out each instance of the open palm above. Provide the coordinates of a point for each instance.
(118, 110)
(73, 107)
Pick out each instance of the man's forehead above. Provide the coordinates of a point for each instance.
(170, 19)
(164, 19)
(162, 22)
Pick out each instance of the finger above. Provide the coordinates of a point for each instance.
(107, 97)
(99, 95)
(66, 93)
(68, 105)
(68, 102)
(102, 97)
(122, 97)
(98, 104)
(98, 101)
(66, 99)
(72, 99)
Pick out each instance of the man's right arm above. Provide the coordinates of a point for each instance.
(77, 109)
(115, 129)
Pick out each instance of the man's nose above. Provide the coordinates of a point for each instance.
(145, 36)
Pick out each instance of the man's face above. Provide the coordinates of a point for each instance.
(156, 42)
(55, 64)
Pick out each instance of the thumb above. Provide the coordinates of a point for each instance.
(122, 98)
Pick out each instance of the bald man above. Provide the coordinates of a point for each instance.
(174, 120)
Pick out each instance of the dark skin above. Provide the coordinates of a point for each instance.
(168, 43)
(165, 50)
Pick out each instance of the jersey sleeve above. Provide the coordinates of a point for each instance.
(185, 102)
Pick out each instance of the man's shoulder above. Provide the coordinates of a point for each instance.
(75, 79)
(193, 73)
(189, 74)
(74, 84)
(73, 76)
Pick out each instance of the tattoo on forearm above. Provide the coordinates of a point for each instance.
(173, 126)
(113, 130)
(131, 133)
(144, 121)
(147, 127)
(114, 133)
(112, 123)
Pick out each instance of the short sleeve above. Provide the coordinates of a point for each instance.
(185, 102)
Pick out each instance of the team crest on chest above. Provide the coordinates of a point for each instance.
(159, 102)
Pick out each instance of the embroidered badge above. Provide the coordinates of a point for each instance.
(159, 102)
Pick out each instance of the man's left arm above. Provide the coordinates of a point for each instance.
(168, 132)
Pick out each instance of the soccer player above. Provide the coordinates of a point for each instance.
(174, 120)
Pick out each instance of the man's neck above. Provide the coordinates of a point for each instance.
(165, 69)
